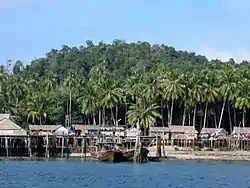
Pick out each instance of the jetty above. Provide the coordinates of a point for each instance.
(161, 143)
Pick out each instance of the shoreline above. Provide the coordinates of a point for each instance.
(210, 155)
(170, 155)
(188, 154)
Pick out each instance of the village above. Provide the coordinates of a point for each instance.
(57, 141)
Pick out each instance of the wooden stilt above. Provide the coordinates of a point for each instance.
(62, 147)
(67, 140)
(163, 146)
(156, 142)
(82, 147)
(137, 145)
(47, 147)
(85, 148)
(6, 146)
(29, 147)
(158, 146)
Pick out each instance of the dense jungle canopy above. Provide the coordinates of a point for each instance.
(121, 83)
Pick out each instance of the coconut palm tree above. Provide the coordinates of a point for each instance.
(89, 102)
(228, 79)
(173, 89)
(243, 97)
(209, 92)
(70, 83)
(145, 114)
(110, 96)
(195, 91)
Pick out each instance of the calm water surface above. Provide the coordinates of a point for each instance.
(186, 174)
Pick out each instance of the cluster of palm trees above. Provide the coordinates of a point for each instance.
(207, 97)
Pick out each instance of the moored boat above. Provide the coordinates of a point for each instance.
(129, 154)
(110, 156)
(106, 155)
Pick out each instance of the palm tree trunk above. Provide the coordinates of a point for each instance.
(184, 116)
(235, 124)
(194, 115)
(125, 115)
(88, 120)
(145, 130)
(103, 116)
(116, 115)
(243, 118)
(162, 120)
(230, 119)
(94, 122)
(112, 116)
(189, 117)
(205, 116)
(171, 113)
(100, 117)
(70, 107)
(215, 120)
(40, 119)
(221, 115)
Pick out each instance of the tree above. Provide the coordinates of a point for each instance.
(228, 85)
(110, 81)
(173, 89)
(243, 98)
(146, 115)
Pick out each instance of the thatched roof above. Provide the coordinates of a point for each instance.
(241, 130)
(212, 130)
(9, 128)
(4, 116)
(44, 127)
(182, 129)
(159, 129)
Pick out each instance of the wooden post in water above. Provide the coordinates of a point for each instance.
(82, 147)
(29, 147)
(85, 148)
(62, 147)
(163, 146)
(47, 146)
(156, 142)
(6, 147)
(158, 146)
(137, 144)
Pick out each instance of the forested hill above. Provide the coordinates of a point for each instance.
(126, 82)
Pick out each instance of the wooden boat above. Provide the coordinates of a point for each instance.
(110, 156)
(107, 155)
(129, 154)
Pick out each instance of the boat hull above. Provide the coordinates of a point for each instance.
(109, 156)
(129, 154)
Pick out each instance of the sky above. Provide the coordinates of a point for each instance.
(215, 28)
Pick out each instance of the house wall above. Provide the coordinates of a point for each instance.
(61, 131)
(188, 136)
(159, 133)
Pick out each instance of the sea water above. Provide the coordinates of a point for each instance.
(71, 174)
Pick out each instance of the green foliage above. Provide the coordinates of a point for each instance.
(129, 81)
